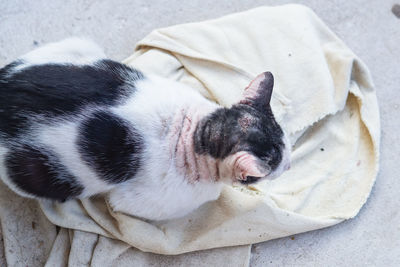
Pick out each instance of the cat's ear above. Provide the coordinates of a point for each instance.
(258, 93)
(245, 166)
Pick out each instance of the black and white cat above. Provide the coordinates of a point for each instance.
(74, 124)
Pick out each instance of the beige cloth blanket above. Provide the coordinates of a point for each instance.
(323, 98)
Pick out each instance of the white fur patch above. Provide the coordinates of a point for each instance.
(69, 51)
(160, 191)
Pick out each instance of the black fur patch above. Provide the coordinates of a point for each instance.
(8, 69)
(110, 146)
(40, 174)
(59, 89)
(240, 128)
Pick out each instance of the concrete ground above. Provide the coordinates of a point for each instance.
(369, 28)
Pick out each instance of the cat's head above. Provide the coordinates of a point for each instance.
(245, 139)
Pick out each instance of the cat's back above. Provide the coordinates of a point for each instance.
(58, 135)
(54, 89)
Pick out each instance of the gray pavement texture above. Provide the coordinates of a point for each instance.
(370, 28)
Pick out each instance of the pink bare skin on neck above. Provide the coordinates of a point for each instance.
(193, 166)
